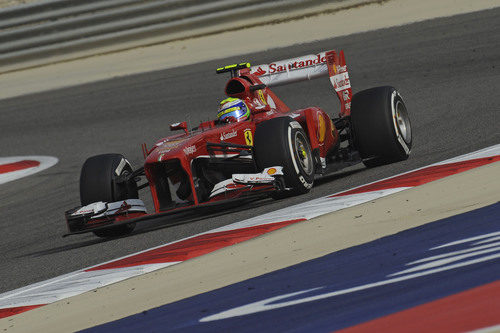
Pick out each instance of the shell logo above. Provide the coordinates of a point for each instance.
(321, 128)
(271, 171)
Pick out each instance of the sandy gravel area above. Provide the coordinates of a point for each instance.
(292, 245)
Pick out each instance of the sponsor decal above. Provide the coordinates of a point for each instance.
(396, 127)
(123, 208)
(340, 81)
(94, 208)
(345, 95)
(321, 128)
(164, 150)
(189, 150)
(248, 137)
(323, 162)
(270, 101)
(277, 68)
(305, 183)
(82, 211)
(260, 71)
(167, 146)
(260, 101)
(120, 166)
(271, 171)
(341, 69)
(253, 179)
(292, 64)
(166, 142)
(265, 177)
(229, 135)
(261, 96)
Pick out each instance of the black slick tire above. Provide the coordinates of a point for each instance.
(381, 126)
(97, 183)
(282, 142)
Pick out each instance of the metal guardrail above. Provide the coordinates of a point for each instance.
(55, 27)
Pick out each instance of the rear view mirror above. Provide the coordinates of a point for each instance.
(178, 126)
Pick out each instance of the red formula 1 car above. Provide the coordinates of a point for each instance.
(276, 151)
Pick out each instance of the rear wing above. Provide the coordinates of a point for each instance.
(308, 67)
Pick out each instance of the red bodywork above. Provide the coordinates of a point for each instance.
(181, 151)
(176, 166)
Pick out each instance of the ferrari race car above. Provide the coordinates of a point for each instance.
(277, 152)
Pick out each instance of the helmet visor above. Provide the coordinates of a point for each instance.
(238, 111)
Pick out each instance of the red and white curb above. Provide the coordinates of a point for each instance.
(12, 168)
(78, 282)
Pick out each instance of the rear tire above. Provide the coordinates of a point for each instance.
(97, 183)
(282, 142)
(381, 126)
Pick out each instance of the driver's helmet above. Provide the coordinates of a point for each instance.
(232, 110)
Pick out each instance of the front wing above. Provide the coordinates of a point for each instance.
(103, 215)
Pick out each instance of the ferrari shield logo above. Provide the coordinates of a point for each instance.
(248, 137)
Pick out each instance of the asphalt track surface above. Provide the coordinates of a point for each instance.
(448, 71)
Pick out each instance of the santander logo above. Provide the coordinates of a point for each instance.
(287, 65)
(229, 135)
(301, 63)
(259, 71)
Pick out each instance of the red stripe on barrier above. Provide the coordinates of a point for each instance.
(17, 310)
(470, 310)
(195, 247)
(422, 176)
(16, 166)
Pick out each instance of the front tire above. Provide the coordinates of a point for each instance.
(381, 126)
(282, 142)
(98, 183)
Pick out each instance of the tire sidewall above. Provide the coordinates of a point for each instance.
(275, 142)
(98, 183)
(376, 133)
(302, 180)
(403, 145)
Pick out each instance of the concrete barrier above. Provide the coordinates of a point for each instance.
(57, 27)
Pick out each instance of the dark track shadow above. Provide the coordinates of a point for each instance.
(201, 214)
(163, 222)
(237, 206)
(338, 175)
(64, 248)
(192, 216)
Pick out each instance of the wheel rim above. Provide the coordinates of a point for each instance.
(303, 153)
(403, 122)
